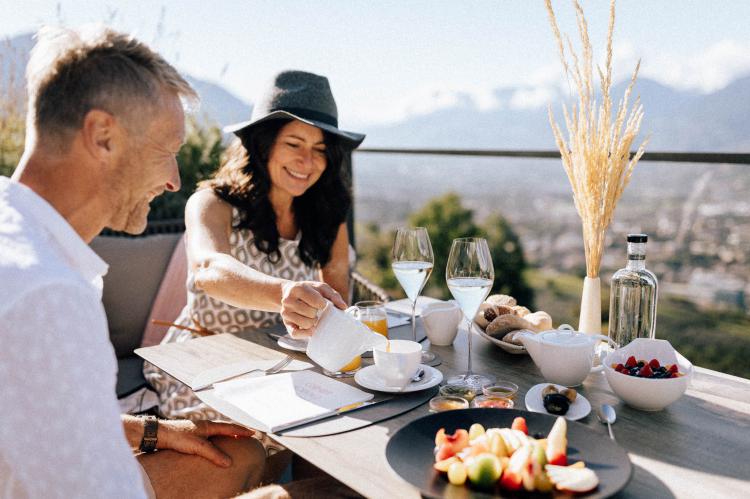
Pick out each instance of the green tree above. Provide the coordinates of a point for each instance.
(445, 219)
(12, 122)
(507, 257)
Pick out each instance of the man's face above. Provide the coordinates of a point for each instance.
(148, 166)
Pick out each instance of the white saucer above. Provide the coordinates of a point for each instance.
(368, 378)
(534, 403)
(290, 343)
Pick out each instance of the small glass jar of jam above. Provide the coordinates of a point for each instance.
(457, 390)
(483, 401)
(440, 403)
(501, 389)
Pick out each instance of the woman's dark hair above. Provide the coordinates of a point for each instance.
(243, 181)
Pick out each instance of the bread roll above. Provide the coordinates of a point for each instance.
(539, 321)
(502, 300)
(521, 311)
(504, 324)
(479, 318)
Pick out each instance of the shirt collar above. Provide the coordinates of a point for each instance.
(80, 256)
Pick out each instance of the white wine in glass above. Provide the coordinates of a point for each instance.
(412, 264)
(470, 275)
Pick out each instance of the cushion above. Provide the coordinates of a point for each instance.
(171, 297)
(136, 268)
(129, 375)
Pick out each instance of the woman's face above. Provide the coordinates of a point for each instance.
(297, 158)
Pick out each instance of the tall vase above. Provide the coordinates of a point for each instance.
(590, 320)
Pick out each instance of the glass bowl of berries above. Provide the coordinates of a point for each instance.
(648, 374)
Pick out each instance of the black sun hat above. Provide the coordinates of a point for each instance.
(302, 96)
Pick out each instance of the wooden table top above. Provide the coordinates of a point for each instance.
(696, 447)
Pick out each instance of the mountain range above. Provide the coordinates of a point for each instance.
(675, 120)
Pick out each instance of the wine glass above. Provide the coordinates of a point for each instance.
(469, 275)
(412, 263)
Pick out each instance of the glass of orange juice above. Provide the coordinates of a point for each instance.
(373, 315)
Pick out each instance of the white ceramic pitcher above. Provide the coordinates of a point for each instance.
(564, 356)
(338, 338)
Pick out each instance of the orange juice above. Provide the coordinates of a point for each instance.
(378, 325)
(354, 364)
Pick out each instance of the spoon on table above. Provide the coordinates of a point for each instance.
(606, 414)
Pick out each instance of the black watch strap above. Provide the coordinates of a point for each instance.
(150, 427)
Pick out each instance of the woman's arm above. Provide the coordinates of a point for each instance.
(336, 272)
(208, 221)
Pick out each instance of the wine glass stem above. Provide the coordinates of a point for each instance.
(468, 333)
(414, 320)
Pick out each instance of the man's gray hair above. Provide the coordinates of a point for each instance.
(70, 72)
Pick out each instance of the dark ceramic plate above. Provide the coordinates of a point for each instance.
(410, 452)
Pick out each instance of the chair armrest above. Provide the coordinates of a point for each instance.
(362, 289)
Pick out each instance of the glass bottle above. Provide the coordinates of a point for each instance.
(633, 295)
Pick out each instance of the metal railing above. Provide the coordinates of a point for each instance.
(675, 157)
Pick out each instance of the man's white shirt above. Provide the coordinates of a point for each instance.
(60, 428)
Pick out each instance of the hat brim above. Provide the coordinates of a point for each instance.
(351, 139)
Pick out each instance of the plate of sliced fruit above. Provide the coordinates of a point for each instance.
(482, 453)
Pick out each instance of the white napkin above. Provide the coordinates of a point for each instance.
(403, 306)
(397, 320)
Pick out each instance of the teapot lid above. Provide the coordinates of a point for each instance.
(565, 338)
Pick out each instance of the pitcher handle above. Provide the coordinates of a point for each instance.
(600, 367)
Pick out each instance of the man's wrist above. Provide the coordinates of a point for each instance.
(150, 430)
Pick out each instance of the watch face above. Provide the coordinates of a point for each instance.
(150, 427)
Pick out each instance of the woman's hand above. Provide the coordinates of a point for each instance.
(301, 303)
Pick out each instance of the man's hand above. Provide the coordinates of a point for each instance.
(301, 303)
(190, 437)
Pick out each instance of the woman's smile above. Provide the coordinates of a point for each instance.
(296, 174)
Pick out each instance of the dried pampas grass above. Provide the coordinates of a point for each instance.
(597, 155)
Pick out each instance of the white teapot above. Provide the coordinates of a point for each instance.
(564, 356)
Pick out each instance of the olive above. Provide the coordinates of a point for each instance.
(556, 403)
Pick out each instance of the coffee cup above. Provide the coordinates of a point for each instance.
(396, 362)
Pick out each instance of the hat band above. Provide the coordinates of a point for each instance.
(311, 115)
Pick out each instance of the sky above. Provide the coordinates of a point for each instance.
(390, 59)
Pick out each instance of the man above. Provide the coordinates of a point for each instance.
(105, 121)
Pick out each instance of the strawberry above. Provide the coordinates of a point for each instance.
(672, 369)
(654, 364)
(520, 424)
(646, 371)
(631, 362)
(619, 367)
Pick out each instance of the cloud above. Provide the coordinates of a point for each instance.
(706, 71)
(531, 98)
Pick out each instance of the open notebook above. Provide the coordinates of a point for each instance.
(282, 401)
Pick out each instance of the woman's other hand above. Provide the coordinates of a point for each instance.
(301, 303)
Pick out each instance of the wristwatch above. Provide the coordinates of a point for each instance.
(150, 427)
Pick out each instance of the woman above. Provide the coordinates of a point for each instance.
(266, 237)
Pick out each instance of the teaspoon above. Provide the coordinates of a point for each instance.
(606, 414)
